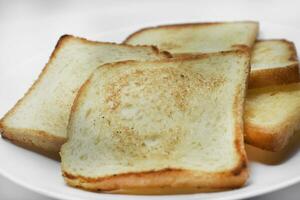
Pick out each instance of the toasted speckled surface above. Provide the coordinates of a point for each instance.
(160, 124)
(40, 118)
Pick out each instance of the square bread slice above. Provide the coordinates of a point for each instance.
(272, 115)
(173, 124)
(39, 120)
(180, 39)
(273, 62)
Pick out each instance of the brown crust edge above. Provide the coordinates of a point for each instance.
(239, 106)
(168, 179)
(165, 178)
(37, 141)
(274, 76)
(181, 57)
(267, 139)
(155, 50)
(182, 25)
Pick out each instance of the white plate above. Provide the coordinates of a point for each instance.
(269, 171)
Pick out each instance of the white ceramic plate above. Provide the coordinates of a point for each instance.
(269, 171)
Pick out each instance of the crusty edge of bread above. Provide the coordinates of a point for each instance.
(168, 179)
(197, 55)
(269, 139)
(183, 25)
(171, 178)
(37, 139)
(264, 138)
(274, 76)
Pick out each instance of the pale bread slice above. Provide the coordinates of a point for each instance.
(39, 120)
(273, 62)
(272, 115)
(167, 126)
(181, 39)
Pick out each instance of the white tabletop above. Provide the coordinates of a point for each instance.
(32, 27)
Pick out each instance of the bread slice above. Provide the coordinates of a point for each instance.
(272, 115)
(39, 120)
(144, 126)
(273, 62)
(197, 38)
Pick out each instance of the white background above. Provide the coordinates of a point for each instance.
(30, 28)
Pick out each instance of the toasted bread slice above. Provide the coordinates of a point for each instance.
(197, 38)
(174, 124)
(40, 118)
(273, 62)
(272, 115)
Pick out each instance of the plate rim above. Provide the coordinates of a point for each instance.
(248, 194)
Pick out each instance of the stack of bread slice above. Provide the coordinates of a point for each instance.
(273, 63)
(167, 111)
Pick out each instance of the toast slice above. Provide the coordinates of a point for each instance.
(175, 125)
(272, 115)
(39, 120)
(197, 38)
(273, 62)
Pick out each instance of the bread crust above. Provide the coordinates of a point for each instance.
(271, 140)
(34, 140)
(37, 139)
(274, 76)
(170, 181)
(244, 48)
